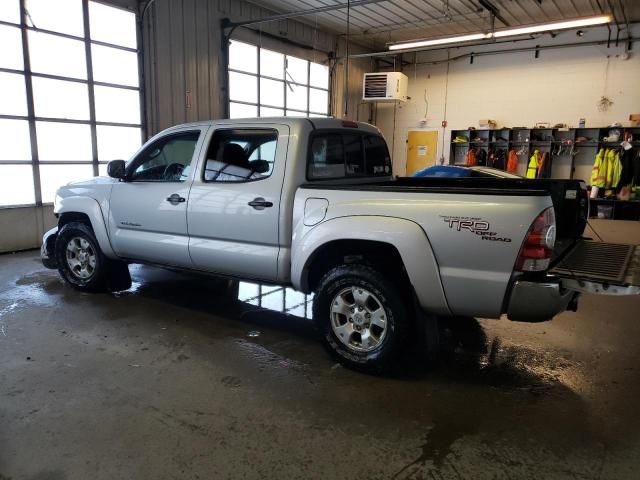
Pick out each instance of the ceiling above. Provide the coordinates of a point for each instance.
(380, 22)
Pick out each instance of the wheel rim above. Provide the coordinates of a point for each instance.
(358, 319)
(81, 258)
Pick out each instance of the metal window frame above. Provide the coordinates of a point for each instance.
(259, 105)
(91, 83)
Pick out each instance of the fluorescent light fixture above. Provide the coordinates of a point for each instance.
(545, 27)
(440, 41)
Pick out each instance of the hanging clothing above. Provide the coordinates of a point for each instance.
(616, 173)
(471, 158)
(544, 166)
(630, 163)
(598, 172)
(532, 168)
(512, 163)
(499, 159)
(481, 157)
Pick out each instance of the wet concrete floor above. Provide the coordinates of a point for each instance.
(174, 379)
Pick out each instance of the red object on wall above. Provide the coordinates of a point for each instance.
(444, 123)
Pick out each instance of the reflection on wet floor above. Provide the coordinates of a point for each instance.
(279, 299)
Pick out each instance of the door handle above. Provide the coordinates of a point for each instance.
(175, 199)
(260, 203)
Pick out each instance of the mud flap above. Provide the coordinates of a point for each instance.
(600, 268)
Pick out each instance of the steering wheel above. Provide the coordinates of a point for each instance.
(173, 171)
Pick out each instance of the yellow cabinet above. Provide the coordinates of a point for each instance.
(421, 149)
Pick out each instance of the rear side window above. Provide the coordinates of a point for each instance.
(339, 155)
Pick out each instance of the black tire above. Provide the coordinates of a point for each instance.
(104, 274)
(385, 357)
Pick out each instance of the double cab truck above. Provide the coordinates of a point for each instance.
(312, 204)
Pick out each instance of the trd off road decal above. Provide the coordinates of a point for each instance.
(475, 225)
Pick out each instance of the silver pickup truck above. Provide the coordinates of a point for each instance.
(312, 204)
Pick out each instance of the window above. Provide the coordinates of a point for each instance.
(333, 155)
(68, 147)
(167, 160)
(241, 155)
(264, 83)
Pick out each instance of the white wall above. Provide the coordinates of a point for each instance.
(516, 89)
(22, 228)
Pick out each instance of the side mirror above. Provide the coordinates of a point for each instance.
(116, 169)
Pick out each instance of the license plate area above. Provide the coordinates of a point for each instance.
(606, 264)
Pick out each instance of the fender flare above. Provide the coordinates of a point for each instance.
(409, 239)
(91, 208)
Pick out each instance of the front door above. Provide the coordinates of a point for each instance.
(234, 207)
(148, 211)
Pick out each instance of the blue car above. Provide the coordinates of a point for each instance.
(459, 171)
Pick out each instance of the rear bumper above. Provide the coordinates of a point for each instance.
(538, 301)
(47, 251)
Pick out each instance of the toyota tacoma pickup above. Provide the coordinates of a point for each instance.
(312, 204)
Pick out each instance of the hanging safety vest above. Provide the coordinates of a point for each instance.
(598, 173)
(532, 168)
(512, 163)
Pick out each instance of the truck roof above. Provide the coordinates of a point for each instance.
(316, 122)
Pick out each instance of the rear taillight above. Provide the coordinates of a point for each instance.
(536, 251)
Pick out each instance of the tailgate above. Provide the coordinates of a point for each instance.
(600, 267)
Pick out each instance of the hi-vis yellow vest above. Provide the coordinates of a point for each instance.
(532, 168)
(599, 171)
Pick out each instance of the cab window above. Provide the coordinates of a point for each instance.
(166, 160)
(240, 155)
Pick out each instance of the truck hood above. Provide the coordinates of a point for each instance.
(97, 188)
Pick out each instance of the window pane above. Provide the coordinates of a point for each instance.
(53, 177)
(243, 56)
(297, 70)
(319, 76)
(10, 11)
(271, 112)
(15, 141)
(377, 156)
(13, 94)
(293, 113)
(271, 64)
(111, 65)
(63, 141)
(297, 96)
(117, 142)
(57, 55)
(243, 87)
(117, 105)
(318, 100)
(60, 99)
(16, 185)
(271, 92)
(60, 16)
(166, 160)
(353, 155)
(11, 50)
(240, 110)
(240, 155)
(327, 160)
(102, 170)
(112, 25)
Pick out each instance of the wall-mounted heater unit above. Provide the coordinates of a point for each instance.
(384, 87)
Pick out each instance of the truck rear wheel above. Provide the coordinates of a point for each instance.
(362, 317)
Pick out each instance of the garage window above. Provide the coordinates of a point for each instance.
(69, 95)
(264, 83)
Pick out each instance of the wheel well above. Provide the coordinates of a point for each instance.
(382, 256)
(69, 217)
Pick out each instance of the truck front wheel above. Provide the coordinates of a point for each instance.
(362, 317)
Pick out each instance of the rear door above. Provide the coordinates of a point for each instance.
(234, 207)
(148, 211)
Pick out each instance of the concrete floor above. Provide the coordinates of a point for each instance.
(168, 380)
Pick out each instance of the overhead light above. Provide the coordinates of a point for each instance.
(440, 41)
(545, 27)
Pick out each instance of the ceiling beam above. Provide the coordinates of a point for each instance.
(301, 13)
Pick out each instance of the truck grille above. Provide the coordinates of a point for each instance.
(597, 261)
